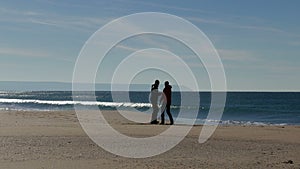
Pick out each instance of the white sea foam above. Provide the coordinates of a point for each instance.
(225, 122)
(85, 103)
(6, 109)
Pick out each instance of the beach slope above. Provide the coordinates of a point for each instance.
(55, 139)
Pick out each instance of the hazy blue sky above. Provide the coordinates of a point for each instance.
(258, 41)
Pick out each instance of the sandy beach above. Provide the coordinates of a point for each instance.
(55, 139)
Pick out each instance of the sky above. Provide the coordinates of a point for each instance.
(258, 41)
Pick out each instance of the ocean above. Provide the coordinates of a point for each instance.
(242, 108)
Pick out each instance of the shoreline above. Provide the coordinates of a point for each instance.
(227, 122)
(55, 139)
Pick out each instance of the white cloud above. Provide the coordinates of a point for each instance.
(241, 26)
(6, 11)
(22, 52)
(19, 52)
(128, 48)
(202, 20)
(52, 19)
(71, 22)
(294, 43)
(44, 22)
(236, 55)
(160, 5)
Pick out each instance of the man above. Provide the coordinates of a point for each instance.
(167, 103)
(153, 98)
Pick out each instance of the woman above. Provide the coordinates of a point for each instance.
(154, 98)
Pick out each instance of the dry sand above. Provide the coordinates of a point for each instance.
(42, 140)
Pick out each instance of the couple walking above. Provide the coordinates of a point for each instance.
(165, 99)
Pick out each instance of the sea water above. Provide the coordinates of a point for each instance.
(241, 108)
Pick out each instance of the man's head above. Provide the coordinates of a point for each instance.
(156, 82)
(166, 83)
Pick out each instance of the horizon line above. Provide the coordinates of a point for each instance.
(229, 90)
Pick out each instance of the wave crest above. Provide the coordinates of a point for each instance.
(84, 103)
